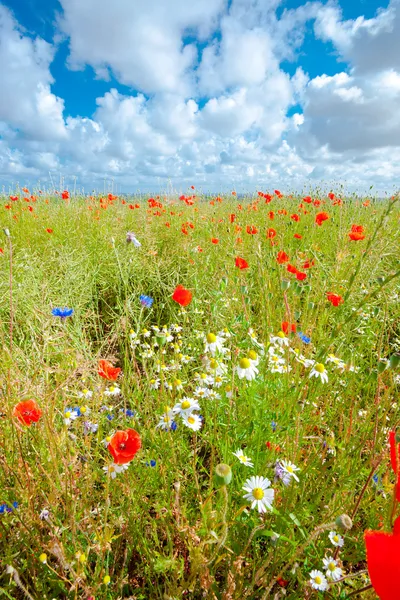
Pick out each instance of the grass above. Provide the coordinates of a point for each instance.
(173, 530)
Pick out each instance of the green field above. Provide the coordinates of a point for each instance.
(290, 362)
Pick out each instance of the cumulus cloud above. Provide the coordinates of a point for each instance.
(210, 102)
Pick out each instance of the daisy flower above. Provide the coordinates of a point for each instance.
(193, 421)
(201, 392)
(186, 406)
(229, 391)
(85, 394)
(318, 581)
(113, 469)
(70, 415)
(279, 339)
(213, 395)
(154, 384)
(214, 343)
(319, 370)
(246, 369)
(253, 338)
(166, 421)
(332, 570)
(245, 460)
(259, 493)
(336, 539)
(288, 469)
(114, 390)
(178, 385)
(253, 357)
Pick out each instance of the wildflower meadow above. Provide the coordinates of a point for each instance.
(199, 396)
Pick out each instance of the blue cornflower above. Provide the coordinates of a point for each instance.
(146, 301)
(273, 425)
(173, 426)
(151, 463)
(63, 313)
(304, 338)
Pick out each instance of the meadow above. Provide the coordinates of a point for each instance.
(199, 397)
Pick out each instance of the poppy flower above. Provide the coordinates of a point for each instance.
(383, 560)
(308, 264)
(108, 371)
(251, 229)
(241, 263)
(355, 236)
(321, 217)
(214, 240)
(182, 296)
(286, 327)
(27, 412)
(295, 217)
(291, 269)
(301, 276)
(271, 233)
(65, 195)
(232, 217)
(395, 461)
(49, 230)
(282, 257)
(124, 445)
(334, 299)
(297, 236)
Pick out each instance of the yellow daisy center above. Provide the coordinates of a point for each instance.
(331, 566)
(213, 364)
(177, 382)
(83, 409)
(258, 493)
(67, 414)
(185, 404)
(280, 334)
(317, 579)
(319, 367)
(211, 338)
(336, 538)
(191, 420)
(252, 354)
(244, 363)
(289, 468)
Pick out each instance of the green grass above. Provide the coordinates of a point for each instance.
(171, 531)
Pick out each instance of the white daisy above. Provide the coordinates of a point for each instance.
(166, 421)
(154, 384)
(177, 384)
(70, 415)
(245, 460)
(279, 339)
(229, 391)
(336, 539)
(113, 469)
(259, 493)
(186, 406)
(193, 421)
(113, 390)
(288, 469)
(318, 581)
(246, 369)
(85, 394)
(319, 370)
(213, 395)
(215, 366)
(214, 343)
(253, 338)
(253, 357)
(332, 570)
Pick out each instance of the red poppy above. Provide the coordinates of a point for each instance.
(295, 217)
(251, 229)
(214, 240)
(241, 263)
(297, 236)
(291, 269)
(65, 195)
(395, 461)
(108, 371)
(232, 217)
(271, 233)
(282, 582)
(321, 217)
(49, 230)
(286, 327)
(355, 236)
(383, 560)
(334, 299)
(182, 296)
(282, 257)
(27, 412)
(301, 276)
(124, 445)
(308, 264)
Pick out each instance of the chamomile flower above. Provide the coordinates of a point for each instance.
(114, 469)
(228, 391)
(279, 339)
(202, 378)
(259, 493)
(106, 440)
(246, 369)
(70, 415)
(193, 421)
(166, 422)
(336, 539)
(154, 384)
(254, 340)
(215, 366)
(216, 381)
(214, 343)
(177, 384)
(289, 471)
(253, 357)
(245, 460)
(318, 581)
(332, 570)
(201, 392)
(113, 390)
(213, 395)
(85, 394)
(319, 370)
(186, 406)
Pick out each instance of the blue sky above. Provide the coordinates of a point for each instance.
(244, 94)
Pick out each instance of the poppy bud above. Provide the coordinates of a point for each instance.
(285, 285)
(344, 523)
(7, 232)
(223, 474)
(394, 361)
(381, 366)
